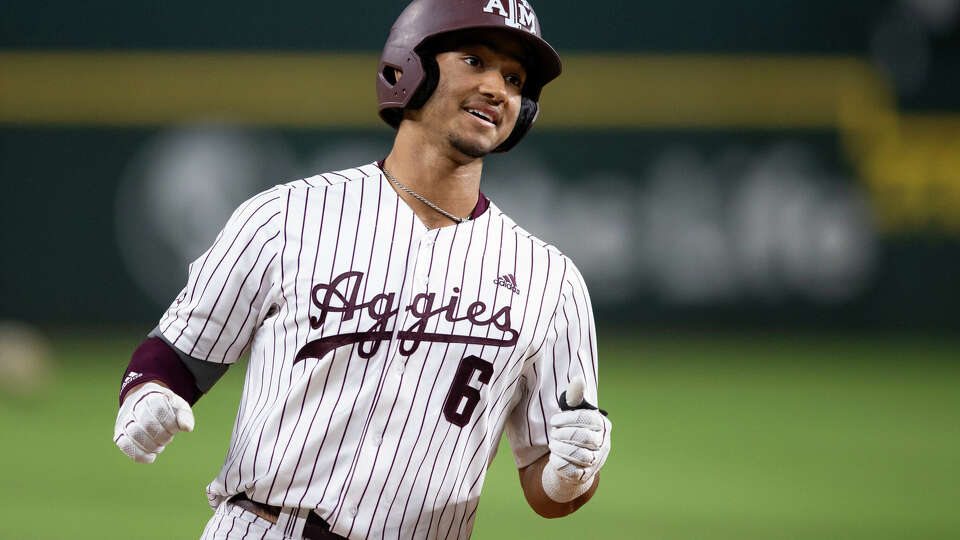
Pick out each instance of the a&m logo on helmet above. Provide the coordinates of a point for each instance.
(517, 14)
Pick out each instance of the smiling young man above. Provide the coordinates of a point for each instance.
(397, 321)
(439, 147)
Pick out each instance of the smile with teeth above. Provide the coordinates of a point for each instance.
(480, 115)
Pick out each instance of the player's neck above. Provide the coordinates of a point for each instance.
(444, 178)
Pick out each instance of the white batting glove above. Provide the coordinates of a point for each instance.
(148, 419)
(579, 445)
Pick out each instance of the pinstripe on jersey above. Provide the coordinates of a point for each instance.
(386, 359)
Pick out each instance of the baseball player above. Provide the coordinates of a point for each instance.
(397, 321)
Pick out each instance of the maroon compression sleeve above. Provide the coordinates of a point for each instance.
(154, 360)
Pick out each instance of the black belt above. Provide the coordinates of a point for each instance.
(315, 528)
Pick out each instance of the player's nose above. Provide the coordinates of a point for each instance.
(493, 85)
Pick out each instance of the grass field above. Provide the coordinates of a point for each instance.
(715, 437)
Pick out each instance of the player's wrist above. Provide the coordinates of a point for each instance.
(133, 390)
(562, 488)
(155, 361)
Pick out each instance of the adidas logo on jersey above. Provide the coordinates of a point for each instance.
(508, 281)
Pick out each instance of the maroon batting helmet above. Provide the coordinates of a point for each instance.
(426, 22)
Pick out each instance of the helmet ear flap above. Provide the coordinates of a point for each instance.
(431, 77)
(528, 115)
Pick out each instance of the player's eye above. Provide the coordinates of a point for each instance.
(515, 80)
(471, 60)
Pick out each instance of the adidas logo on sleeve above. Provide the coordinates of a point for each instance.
(132, 376)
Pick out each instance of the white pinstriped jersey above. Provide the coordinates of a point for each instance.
(386, 359)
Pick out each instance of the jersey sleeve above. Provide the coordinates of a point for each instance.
(216, 313)
(569, 351)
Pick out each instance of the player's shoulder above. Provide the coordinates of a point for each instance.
(279, 197)
(334, 178)
(529, 241)
(544, 253)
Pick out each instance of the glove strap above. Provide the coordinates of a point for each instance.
(584, 405)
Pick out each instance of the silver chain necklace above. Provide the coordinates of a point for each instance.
(421, 199)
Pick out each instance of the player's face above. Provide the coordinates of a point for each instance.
(478, 97)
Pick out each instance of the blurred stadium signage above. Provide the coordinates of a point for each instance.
(909, 163)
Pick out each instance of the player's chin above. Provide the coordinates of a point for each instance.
(475, 143)
(474, 147)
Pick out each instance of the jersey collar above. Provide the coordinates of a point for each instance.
(483, 203)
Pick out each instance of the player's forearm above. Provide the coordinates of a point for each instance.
(531, 481)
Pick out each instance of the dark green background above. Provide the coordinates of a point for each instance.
(691, 25)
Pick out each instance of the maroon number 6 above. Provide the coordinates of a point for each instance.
(461, 389)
